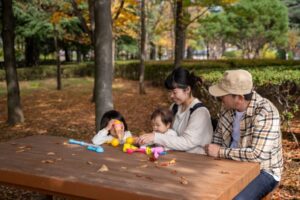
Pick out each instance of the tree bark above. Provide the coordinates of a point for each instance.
(67, 54)
(78, 54)
(32, 51)
(103, 59)
(152, 51)
(142, 49)
(189, 52)
(15, 113)
(179, 34)
(58, 68)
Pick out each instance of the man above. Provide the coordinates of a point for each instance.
(248, 130)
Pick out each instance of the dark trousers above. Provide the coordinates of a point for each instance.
(262, 185)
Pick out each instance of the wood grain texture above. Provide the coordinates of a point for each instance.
(72, 171)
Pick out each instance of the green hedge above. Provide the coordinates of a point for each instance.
(263, 71)
(275, 72)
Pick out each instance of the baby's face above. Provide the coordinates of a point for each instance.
(158, 125)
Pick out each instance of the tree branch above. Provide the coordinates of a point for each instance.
(119, 11)
(82, 20)
(197, 17)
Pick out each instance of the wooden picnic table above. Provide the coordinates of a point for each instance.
(49, 164)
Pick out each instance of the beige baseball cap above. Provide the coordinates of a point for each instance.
(237, 82)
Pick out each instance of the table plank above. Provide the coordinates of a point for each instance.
(129, 176)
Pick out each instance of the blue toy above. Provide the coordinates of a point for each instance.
(89, 146)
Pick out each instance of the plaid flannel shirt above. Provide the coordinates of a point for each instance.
(260, 135)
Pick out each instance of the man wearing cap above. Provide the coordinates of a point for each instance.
(248, 130)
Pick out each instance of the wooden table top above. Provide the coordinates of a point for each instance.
(49, 164)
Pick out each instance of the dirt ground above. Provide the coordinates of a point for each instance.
(71, 114)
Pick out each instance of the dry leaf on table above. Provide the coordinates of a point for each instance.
(103, 168)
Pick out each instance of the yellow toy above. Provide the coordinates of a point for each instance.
(127, 147)
(130, 140)
(115, 142)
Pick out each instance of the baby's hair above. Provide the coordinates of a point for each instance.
(165, 114)
(112, 114)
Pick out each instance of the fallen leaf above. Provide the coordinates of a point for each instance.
(58, 159)
(103, 168)
(125, 168)
(172, 162)
(168, 163)
(50, 153)
(20, 151)
(144, 166)
(183, 180)
(174, 172)
(47, 161)
(89, 163)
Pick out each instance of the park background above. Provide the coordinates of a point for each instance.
(63, 63)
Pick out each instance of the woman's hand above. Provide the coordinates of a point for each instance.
(146, 138)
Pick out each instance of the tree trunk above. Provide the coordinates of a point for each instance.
(103, 59)
(152, 51)
(92, 18)
(142, 49)
(58, 69)
(78, 54)
(190, 52)
(67, 54)
(32, 51)
(207, 51)
(160, 53)
(179, 34)
(15, 113)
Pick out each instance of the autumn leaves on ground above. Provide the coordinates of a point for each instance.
(71, 114)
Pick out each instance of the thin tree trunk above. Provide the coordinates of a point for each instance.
(32, 51)
(189, 52)
(15, 113)
(142, 49)
(78, 54)
(179, 34)
(103, 59)
(152, 51)
(58, 69)
(67, 54)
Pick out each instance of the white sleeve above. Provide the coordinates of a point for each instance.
(171, 132)
(198, 133)
(102, 137)
(127, 134)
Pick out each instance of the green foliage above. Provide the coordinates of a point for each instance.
(249, 25)
(264, 71)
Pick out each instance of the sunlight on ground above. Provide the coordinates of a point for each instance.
(50, 84)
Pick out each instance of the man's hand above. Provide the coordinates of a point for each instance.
(212, 150)
(146, 138)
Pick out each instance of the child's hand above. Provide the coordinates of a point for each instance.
(146, 138)
(110, 125)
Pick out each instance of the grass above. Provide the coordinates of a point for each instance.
(27, 87)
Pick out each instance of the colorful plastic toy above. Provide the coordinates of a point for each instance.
(155, 151)
(89, 146)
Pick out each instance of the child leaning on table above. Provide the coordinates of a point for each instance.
(112, 125)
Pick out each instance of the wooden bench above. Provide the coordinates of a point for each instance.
(49, 164)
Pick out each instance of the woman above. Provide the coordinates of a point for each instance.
(194, 129)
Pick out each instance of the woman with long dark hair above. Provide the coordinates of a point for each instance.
(192, 121)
